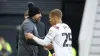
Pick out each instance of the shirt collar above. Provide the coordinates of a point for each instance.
(32, 20)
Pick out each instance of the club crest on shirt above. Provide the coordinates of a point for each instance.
(50, 32)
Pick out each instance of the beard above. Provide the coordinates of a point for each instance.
(38, 20)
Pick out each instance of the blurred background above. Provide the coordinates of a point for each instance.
(12, 15)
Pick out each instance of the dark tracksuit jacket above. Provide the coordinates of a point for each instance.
(29, 47)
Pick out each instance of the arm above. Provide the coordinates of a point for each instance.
(28, 27)
(49, 37)
(43, 42)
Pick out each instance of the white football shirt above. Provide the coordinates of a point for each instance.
(61, 38)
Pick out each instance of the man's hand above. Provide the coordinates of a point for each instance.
(29, 36)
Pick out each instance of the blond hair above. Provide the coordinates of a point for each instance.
(56, 12)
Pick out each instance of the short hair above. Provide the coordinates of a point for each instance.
(26, 13)
(56, 12)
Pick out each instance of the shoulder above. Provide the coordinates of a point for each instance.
(66, 25)
(27, 21)
(41, 23)
(54, 28)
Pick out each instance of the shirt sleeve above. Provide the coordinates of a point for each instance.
(28, 27)
(48, 38)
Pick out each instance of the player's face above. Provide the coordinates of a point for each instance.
(38, 17)
(52, 20)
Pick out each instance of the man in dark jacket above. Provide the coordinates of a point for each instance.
(33, 25)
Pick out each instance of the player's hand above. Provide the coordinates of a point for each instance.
(48, 47)
(53, 54)
(29, 36)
